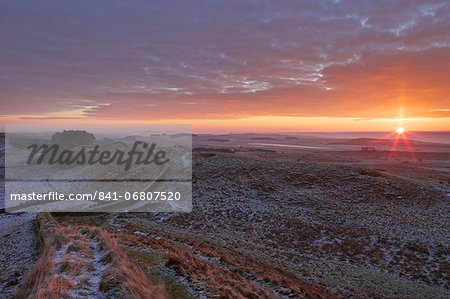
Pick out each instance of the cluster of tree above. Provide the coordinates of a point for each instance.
(72, 137)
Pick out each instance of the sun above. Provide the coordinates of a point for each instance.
(400, 130)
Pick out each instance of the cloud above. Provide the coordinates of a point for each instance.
(49, 117)
(142, 60)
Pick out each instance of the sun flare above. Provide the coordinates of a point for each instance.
(400, 130)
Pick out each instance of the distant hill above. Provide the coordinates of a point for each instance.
(382, 142)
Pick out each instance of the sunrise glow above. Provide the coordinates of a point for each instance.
(227, 148)
(335, 66)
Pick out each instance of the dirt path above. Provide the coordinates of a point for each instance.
(83, 262)
(83, 269)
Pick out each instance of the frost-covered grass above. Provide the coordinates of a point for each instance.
(83, 262)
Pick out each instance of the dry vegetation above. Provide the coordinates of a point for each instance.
(123, 278)
(83, 262)
(260, 228)
(200, 267)
(352, 231)
(295, 230)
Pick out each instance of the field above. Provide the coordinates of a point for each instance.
(274, 216)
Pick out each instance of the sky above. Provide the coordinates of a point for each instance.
(221, 66)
